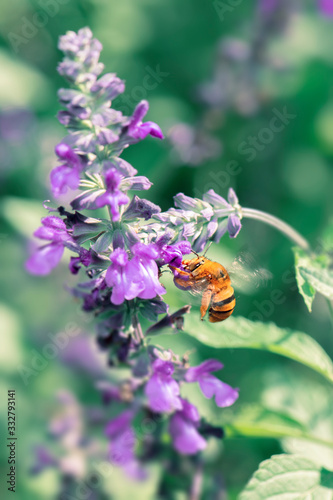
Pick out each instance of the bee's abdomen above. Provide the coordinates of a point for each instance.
(222, 305)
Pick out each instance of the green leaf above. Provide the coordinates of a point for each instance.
(313, 275)
(289, 477)
(319, 279)
(307, 400)
(305, 289)
(256, 421)
(238, 332)
(327, 237)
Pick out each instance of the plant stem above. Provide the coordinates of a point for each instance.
(289, 231)
(137, 327)
(196, 486)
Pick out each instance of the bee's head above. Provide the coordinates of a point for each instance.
(195, 263)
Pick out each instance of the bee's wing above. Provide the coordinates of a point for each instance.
(246, 274)
(199, 287)
(196, 290)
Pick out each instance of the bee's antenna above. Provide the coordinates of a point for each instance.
(195, 253)
(207, 248)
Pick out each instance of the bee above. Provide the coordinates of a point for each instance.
(211, 279)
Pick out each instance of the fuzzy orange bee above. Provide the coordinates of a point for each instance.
(211, 279)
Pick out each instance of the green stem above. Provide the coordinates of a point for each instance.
(289, 231)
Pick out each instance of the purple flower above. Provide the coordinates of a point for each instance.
(120, 277)
(67, 175)
(108, 86)
(145, 270)
(173, 254)
(82, 53)
(76, 103)
(139, 130)
(137, 277)
(43, 459)
(84, 258)
(140, 208)
(326, 7)
(162, 390)
(48, 256)
(223, 207)
(210, 385)
(183, 429)
(113, 196)
(234, 225)
(122, 437)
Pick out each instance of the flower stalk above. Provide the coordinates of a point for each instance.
(119, 261)
(282, 226)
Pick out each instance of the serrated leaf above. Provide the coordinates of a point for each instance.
(313, 275)
(289, 477)
(238, 332)
(307, 291)
(319, 279)
(257, 421)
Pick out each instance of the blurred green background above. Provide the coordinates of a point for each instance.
(291, 178)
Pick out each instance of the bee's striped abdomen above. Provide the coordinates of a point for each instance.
(222, 306)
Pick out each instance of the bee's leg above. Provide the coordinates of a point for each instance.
(182, 279)
(179, 272)
(206, 298)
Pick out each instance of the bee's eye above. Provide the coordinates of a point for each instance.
(222, 275)
(197, 265)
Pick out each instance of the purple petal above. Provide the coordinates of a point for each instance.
(163, 367)
(54, 222)
(326, 7)
(65, 152)
(45, 259)
(215, 199)
(234, 225)
(189, 411)
(62, 178)
(122, 448)
(163, 394)
(155, 130)
(140, 208)
(138, 183)
(185, 437)
(150, 251)
(150, 128)
(123, 167)
(225, 395)
(119, 424)
(221, 230)
(109, 85)
(194, 373)
(113, 179)
(149, 280)
(140, 112)
(185, 202)
(120, 257)
(232, 197)
(106, 136)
